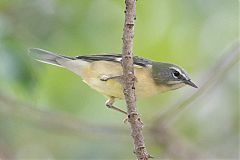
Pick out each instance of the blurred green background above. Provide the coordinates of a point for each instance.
(49, 113)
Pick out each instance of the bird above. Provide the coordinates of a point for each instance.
(103, 72)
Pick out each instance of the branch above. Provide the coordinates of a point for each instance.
(129, 80)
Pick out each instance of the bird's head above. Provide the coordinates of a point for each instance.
(170, 76)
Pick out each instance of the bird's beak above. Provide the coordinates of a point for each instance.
(190, 83)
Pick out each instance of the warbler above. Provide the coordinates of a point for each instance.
(104, 73)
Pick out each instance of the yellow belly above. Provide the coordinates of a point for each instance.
(92, 73)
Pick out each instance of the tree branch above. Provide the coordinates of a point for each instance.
(129, 80)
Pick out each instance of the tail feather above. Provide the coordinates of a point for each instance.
(48, 57)
(73, 64)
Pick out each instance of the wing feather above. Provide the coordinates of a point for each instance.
(115, 58)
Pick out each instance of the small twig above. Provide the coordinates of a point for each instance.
(129, 80)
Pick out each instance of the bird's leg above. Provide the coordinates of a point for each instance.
(109, 104)
(119, 78)
(106, 78)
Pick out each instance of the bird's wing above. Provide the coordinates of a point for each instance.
(115, 58)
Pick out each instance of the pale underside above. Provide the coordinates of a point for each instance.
(92, 72)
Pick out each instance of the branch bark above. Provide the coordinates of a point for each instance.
(129, 80)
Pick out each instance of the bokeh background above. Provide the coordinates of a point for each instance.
(49, 113)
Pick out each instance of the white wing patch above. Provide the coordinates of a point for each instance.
(118, 59)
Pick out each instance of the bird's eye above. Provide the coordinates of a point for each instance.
(176, 74)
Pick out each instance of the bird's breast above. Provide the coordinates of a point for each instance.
(92, 74)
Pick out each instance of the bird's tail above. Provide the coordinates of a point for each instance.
(48, 57)
(73, 64)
